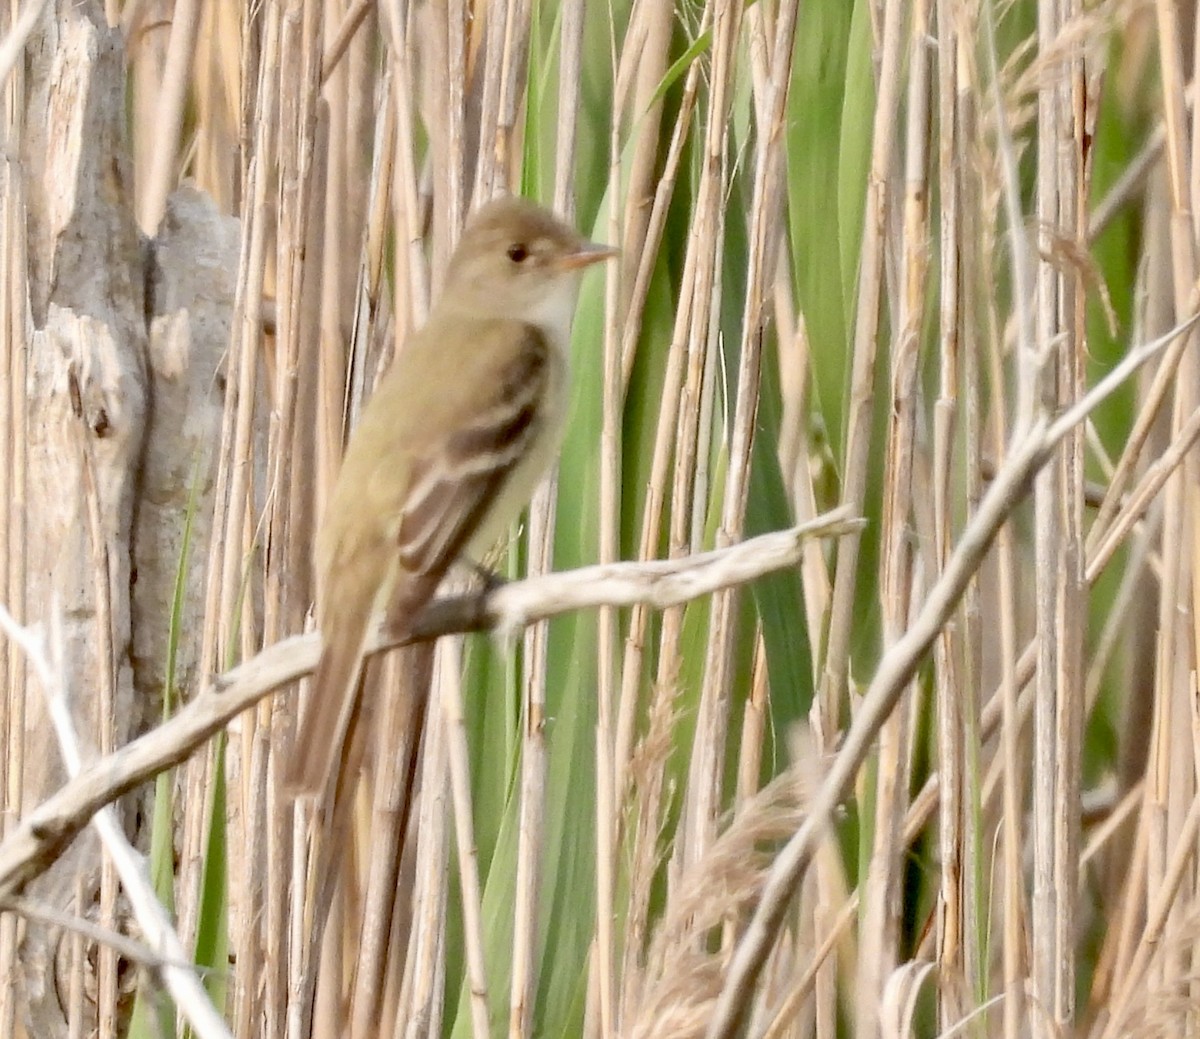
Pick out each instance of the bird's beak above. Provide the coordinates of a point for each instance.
(587, 254)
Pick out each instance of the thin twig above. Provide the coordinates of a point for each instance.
(127, 948)
(181, 981)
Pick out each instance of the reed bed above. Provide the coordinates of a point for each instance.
(927, 264)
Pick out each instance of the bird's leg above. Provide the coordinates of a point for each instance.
(407, 601)
(409, 618)
(488, 578)
(478, 594)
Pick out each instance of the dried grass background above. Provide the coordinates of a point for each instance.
(871, 249)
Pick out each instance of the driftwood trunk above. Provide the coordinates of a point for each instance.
(112, 408)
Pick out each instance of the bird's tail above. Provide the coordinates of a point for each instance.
(331, 706)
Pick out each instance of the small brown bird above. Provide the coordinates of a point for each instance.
(448, 450)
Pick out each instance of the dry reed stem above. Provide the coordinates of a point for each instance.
(1013, 772)
(14, 291)
(450, 696)
(420, 997)
(865, 344)
(958, 946)
(634, 648)
(534, 752)
(608, 550)
(168, 119)
(1053, 384)
(703, 290)
(881, 916)
(1169, 788)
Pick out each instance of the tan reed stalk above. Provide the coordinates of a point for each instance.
(13, 351)
(699, 811)
(866, 328)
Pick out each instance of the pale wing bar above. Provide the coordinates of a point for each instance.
(451, 491)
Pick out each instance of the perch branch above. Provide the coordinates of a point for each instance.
(51, 826)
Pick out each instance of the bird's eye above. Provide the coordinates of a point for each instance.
(518, 253)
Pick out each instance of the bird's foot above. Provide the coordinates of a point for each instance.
(488, 578)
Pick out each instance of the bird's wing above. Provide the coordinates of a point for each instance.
(453, 486)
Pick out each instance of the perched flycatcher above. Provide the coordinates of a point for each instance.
(448, 450)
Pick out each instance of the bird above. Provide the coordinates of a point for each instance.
(448, 450)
